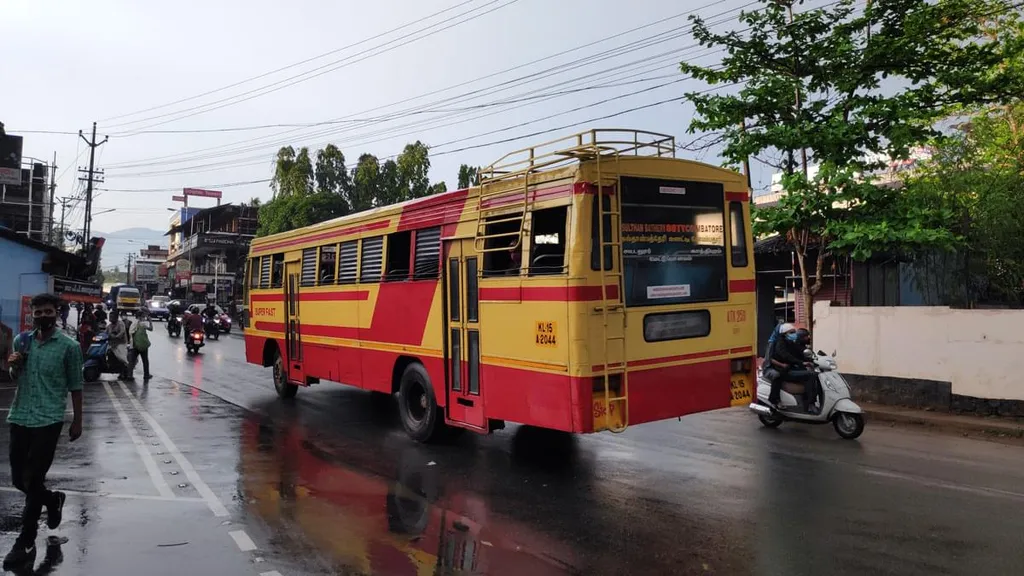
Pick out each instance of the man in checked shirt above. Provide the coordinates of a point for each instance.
(46, 364)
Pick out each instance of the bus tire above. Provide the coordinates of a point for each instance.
(285, 389)
(417, 406)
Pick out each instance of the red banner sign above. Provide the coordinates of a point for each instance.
(204, 193)
(26, 313)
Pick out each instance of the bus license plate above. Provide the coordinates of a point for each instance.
(742, 389)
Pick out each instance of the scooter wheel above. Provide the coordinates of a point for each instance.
(848, 425)
(769, 421)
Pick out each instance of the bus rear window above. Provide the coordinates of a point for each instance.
(673, 242)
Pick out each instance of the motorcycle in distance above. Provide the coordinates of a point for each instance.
(194, 342)
(174, 326)
(99, 359)
(212, 327)
(833, 397)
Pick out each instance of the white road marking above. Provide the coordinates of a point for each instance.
(120, 496)
(147, 458)
(245, 544)
(271, 573)
(212, 501)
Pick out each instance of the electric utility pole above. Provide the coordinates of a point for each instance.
(93, 145)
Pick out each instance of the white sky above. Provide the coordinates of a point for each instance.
(69, 63)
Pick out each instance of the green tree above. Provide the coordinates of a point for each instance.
(467, 176)
(283, 164)
(811, 92)
(365, 183)
(413, 170)
(331, 174)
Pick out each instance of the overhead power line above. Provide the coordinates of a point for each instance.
(289, 66)
(247, 145)
(316, 72)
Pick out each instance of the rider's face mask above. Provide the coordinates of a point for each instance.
(792, 336)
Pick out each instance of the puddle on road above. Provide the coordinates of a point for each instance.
(364, 523)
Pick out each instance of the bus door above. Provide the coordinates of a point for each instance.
(292, 332)
(462, 335)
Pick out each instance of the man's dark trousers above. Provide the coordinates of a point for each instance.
(31, 455)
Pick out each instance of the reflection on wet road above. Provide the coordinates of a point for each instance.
(329, 484)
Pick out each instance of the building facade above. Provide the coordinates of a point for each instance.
(208, 251)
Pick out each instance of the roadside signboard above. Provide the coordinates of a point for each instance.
(202, 193)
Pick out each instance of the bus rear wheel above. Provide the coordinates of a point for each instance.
(284, 388)
(417, 406)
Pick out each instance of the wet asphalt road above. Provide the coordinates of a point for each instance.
(329, 484)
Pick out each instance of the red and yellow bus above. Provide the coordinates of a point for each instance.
(585, 284)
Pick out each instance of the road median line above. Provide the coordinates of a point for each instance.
(214, 503)
(147, 458)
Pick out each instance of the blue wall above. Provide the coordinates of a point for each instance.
(20, 275)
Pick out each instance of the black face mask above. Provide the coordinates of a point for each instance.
(45, 322)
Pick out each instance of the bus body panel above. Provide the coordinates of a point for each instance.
(541, 337)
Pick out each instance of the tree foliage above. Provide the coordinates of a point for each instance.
(977, 175)
(848, 87)
(306, 193)
(468, 176)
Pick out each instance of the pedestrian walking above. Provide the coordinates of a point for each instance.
(47, 365)
(140, 342)
(65, 310)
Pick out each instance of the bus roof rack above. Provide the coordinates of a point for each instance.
(578, 148)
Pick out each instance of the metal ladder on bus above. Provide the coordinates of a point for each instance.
(612, 314)
(514, 212)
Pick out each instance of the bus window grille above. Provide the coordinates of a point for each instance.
(427, 262)
(348, 260)
(308, 267)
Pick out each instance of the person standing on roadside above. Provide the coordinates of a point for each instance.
(117, 339)
(47, 365)
(140, 343)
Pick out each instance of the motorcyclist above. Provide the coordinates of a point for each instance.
(193, 323)
(210, 311)
(784, 361)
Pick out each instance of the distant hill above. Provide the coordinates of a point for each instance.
(117, 246)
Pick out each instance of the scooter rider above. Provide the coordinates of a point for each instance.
(784, 361)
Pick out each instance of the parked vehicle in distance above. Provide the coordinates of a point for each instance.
(98, 359)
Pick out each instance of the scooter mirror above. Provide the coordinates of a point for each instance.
(821, 353)
(833, 353)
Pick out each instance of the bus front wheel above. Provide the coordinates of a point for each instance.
(284, 388)
(417, 406)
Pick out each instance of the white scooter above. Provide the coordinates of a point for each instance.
(834, 404)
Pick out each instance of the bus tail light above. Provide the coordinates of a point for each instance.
(741, 365)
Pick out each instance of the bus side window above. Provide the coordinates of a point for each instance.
(328, 264)
(427, 259)
(502, 230)
(547, 245)
(738, 233)
(254, 273)
(277, 271)
(595, 260)
(348, 262)
(371, 258)
(399, 253)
